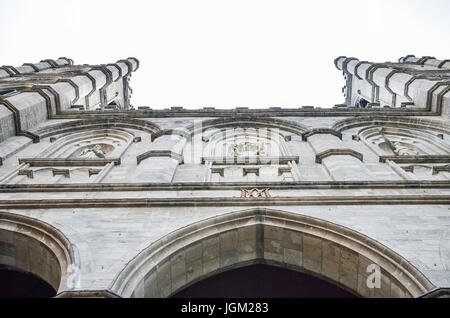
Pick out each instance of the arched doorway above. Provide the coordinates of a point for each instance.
(17, 283)
(332, 253)
(263, 281)
(36, 260)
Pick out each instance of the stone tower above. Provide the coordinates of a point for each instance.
(98, 199)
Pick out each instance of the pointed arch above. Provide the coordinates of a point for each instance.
(99, 123)
(407, 122)
(220, 123)
(38, 247)
(265, 236)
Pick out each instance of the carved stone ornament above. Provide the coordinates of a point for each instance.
(404, 150)
(246, 149)
(93, 152)
(399, 148)
(255, 193)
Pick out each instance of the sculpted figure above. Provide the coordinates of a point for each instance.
(403, 150)
(248, 149)
(93, 152)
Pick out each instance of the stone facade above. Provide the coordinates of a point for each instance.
(100, 199)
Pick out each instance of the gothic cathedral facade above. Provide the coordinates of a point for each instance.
(101, 199)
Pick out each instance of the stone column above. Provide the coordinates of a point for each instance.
(160, 162)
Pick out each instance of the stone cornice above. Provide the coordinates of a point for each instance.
(61, 162)
(260, 112)
(416, 159)
(225, 201)
(260, 160)
(117, 187)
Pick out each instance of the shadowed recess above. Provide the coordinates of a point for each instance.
(17, 283)
(263, 281)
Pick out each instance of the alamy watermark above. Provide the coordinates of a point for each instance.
(374, 278)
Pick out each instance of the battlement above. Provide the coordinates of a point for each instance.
(33, 93)
(417, 83)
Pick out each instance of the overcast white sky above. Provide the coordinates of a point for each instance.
(197, 53)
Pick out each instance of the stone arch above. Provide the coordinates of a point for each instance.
(253, 122)
(76, 157)
(115, 141)
(89, 124)
(407, 122)
(217, 139)
(262, 236)
(220, 123)
(228, 151)
(37, 247)
(418, 141)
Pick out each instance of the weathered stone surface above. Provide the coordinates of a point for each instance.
(100, 190)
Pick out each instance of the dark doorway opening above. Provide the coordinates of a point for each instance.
(263, 281)
(17, 283)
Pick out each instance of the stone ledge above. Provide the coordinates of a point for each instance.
(226, 201)
(251, 160)
(108, 187)
(61, 162)
(260, 113)
(416, 159)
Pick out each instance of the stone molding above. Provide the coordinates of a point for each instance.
(338, 152)
(256, 113)
(225, 201)
(321, 131)
(62, 162)
(392, 121)
(159, 153)
(416, 159)
(175, 186)
(259, 160)
(89, 124)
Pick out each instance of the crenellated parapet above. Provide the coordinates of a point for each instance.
(32, 93)
(27, 68)
(426, 61)
(416, 83)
